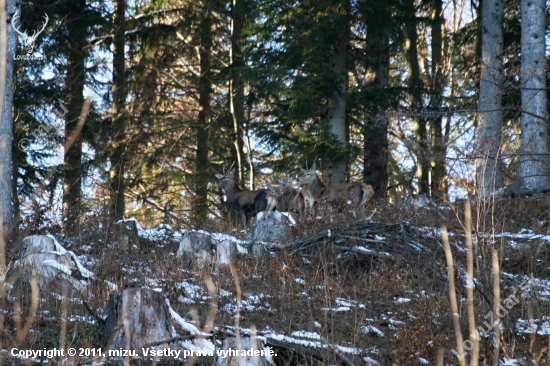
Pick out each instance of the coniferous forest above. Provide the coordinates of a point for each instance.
(128, 128)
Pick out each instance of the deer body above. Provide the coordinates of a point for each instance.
(358, 193)
(291, 199)
(244, 201)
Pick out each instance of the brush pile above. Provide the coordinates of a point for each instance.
(368, 238)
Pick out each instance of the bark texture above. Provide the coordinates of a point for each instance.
(119, 116)
(205, 91)
(236, 92)
(8, 47)
(376, 131)
(138, 317)
(439, 144)
(74, 81)
(415, 86)
(488, 164)
(533, 172)
(337, 109)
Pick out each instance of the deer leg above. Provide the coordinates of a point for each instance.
(243, 219)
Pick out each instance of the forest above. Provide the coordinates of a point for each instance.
(433, 113)
(424, 97)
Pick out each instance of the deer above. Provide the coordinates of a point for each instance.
(29, 40)
(291, 199)
(358, 193)
(244, 201)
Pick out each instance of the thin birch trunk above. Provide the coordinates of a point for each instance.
(496, 304)
(452, 296)
(474, 334)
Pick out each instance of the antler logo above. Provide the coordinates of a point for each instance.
(29, 40)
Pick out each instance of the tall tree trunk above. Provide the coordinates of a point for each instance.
(415, 86)
(488, 164)
(236, 86)
(533, 172)
(8, 47)
(119, 115)
(439, 145)
(15, 195)
(74, 82)
(376, 132)
(337, 102)
(205, 90)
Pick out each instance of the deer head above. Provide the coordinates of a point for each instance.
(226, 179)
(308, 175)
(29, 40)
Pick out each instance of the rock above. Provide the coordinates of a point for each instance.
(231, 355)
(43, 257)
(271, 226)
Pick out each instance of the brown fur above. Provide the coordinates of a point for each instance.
(244, 201)
(294, 200)
(338, 194)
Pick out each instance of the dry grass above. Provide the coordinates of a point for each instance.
(291, 291)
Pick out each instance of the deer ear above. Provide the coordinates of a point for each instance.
(219, 176)
(233, 171)
(278, 180)
(303, 170)
(314, 167)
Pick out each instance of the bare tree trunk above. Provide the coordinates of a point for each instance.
(337, 108)
(74, 82)
(205, 90)
(15, 196)
(376, 131)
(488, 164)
(415, 85)
(119, 115)
(236, 86)
(533, 172)
(8, 46)
(439, 145)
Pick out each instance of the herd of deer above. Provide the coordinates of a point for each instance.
(302, 195)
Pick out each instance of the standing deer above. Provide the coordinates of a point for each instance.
(244, 201)
(291, 199)
(358, 193)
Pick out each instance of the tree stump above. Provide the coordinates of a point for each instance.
(271, 226)
(43, 257)
(199, 246)
(226, 250)
(195, 241)
(126, 233)
(138, 317)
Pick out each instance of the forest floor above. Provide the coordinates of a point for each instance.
(324, 300)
